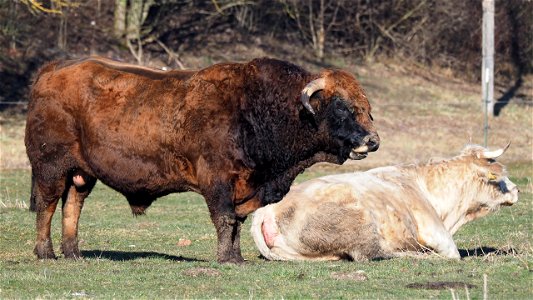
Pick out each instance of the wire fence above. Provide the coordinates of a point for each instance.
(452, 104)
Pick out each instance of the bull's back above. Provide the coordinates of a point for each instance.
(112, 123)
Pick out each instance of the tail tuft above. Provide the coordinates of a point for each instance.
(33, 200)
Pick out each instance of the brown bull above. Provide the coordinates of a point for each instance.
(236, 133)
(384, 212)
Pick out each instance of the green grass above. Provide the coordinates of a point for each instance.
(138, 257)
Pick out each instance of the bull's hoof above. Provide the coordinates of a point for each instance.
(72, 254)
(236, 260)
(44, 251)
(70, 250)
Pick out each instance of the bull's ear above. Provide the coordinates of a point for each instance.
(308, 118)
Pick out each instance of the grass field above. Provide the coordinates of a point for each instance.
(141, 257)
(417, 116)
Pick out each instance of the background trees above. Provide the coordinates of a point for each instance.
(444, 34)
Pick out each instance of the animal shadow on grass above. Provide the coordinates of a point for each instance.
(440, 285)
(484, 251)
(123, 255)
(507, 97)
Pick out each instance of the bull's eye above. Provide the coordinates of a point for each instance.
(350, 109)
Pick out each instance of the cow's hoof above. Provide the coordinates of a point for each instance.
(44, 251)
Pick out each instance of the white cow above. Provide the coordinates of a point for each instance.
(384, 212)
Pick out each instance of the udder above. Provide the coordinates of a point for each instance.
(270, 230)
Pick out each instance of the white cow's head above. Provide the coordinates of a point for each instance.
(495, 189)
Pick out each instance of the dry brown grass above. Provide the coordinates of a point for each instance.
(12, 149)
(419, 114)
(419, 117)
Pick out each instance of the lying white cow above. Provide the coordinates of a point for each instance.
(384, 212)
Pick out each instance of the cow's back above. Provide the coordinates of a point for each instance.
(370, 213)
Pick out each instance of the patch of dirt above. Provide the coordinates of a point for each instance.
(184, 242)
(440, 285)
(201, 271)
(359, 275)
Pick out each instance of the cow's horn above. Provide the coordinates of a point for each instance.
(311, 88)
(495, 153)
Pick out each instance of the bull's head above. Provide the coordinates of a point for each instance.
(501, 190)
(343, 107)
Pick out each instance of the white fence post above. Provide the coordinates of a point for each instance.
(487, 67)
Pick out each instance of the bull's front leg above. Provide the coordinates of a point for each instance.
(227, 224)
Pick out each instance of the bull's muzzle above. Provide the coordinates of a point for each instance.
(370, 143)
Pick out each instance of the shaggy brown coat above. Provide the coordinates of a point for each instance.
(236, 133)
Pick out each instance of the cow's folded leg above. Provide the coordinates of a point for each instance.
(441, 241)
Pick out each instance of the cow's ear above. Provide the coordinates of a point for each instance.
(491, 176)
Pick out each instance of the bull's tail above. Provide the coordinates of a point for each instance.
(258, 221)
(33, 200)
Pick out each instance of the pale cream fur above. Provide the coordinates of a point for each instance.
(401, 209)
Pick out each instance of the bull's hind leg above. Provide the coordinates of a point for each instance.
(73, 200)
(45, 198)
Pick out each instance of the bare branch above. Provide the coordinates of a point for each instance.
(171, 54)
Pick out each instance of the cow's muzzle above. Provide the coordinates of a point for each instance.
(370, 143)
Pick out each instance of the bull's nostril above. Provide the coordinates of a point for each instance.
(373, 144)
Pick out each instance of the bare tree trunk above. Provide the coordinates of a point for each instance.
(136, 14)
(119, 26)
(63, 25)
(62, 36)
(320, 35)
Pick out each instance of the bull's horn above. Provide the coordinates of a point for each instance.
(495, 153)
(311, 88)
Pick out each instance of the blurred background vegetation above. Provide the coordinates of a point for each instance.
(440, 35)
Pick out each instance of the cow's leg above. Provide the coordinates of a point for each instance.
(45, 202)
(227, 224)
(440, 240)
(72, 204)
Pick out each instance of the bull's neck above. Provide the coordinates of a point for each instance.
(287, 134)
(451, 190)
(301, 145)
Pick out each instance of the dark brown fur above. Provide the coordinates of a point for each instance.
(235, 133)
